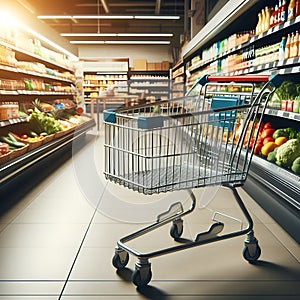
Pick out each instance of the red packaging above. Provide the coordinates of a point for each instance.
(284, 104)
(290, 105)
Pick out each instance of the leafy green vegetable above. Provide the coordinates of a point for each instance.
(42, 122)
(287, 91)
(287, 153)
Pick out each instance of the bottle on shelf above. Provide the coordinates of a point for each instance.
(283, 11)
(282, 48)
(258, 26)
(267, 18)
(299, 46)
(295, 44)
(263, 21)
(292, 46)
(275, 16)
(287, 47)
(279, 12)
(291, 10)
(297, 8)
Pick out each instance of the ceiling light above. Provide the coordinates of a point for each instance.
(55, 17)
(120, 42)
(88, 34)
(86, 42)
(158, 17)
(147, 17)
(139, 42)
(102, 17)
(146, 34)
(117, 34)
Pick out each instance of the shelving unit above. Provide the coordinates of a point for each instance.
(267, 183)
(24, 77)
(178, 80)
(151, 85)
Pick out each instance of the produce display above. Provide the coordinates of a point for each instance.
(45, 122)
(280, 146)
(287, 97)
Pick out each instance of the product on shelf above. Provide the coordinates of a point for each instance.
(9, 110)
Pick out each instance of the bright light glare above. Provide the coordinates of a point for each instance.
(8, 20)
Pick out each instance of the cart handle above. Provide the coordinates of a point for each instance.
(276, 79)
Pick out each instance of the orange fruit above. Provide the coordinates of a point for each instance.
(267, 148)
(281, 140)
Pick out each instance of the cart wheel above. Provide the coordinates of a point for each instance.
(251, 258)
(137, 277)
(176, 229)
(118, 262)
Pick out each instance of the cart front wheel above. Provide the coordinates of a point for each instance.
(138, 280)
(251, 257)
(120, 261)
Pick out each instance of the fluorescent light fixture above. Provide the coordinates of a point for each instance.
(117, 34)
(101, 17)
(157, 17)
(88, 34)
(146, 34)
(138, 42)
(86, 42)
(146, 17)
(55, 17)
(120, 42)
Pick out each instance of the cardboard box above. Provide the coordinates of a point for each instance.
(140, 64)
(158, 66)
(165, 65)
(151, 66)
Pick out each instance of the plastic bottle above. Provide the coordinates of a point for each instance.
(275, 19)
(267, 18)
(297, 8)
(291, 10)
(287, 47)
(299, 46)
(292, 46)
(258, 26)
(279, 12)
(296, 44)
(283, 11)
(282, 48)
(263, 20)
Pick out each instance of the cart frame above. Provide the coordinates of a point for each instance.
(219, 117)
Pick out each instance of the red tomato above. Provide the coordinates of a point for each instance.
(257, 148)
(268, 139)
(24, 136)
(260, 140)
(267, 132)
(267, 125)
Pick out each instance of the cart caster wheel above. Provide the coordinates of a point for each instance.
(120, 260)
(176, 229)
(137, 277)
(251, 257)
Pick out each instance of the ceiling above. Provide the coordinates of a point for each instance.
(113, 8)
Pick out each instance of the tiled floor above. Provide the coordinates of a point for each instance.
(58, 243)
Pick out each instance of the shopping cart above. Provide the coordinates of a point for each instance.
(200, 140)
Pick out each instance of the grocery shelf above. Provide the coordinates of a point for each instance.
(25, 54)
(17, 165)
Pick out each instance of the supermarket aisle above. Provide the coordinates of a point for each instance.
(57, 242)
